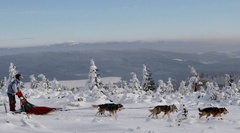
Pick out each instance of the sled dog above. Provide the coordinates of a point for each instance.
(167, 109)
(214, 111)
(111, 107)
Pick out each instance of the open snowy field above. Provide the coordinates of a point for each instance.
(128, 121)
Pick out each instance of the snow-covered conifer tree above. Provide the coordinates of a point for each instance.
(228, 80)
(170, 88)
(161, 87)
(230, 88)
(182, 88)
(193, 71)
(210, 88)
(196, 79)
(56, 85)
(49, 85)
(195, 83)
(134, 82)
(12, 72)
(213, 91)
(44, 84)
(1, 84)
(192, 83)
(94, 79)
(238, 86)
(230, 91)
(148, 82)
(124, 85)
(34, 82)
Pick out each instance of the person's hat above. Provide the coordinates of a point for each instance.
(18, 76)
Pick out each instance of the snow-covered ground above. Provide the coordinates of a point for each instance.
(133, 119)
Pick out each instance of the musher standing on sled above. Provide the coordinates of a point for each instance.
(13, 88)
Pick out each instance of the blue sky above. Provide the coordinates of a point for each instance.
(42, 22)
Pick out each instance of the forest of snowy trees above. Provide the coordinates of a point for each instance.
(195, 84)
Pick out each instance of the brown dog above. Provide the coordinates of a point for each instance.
(214, 111)
(167, 109)
(111, 107)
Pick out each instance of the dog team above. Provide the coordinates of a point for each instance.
(112, 108)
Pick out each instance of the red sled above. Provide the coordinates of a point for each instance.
(38, 110)
(31, 108)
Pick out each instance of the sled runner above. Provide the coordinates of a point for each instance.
(31, 108)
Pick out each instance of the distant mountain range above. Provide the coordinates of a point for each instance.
(72, 61)
(171, 46)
